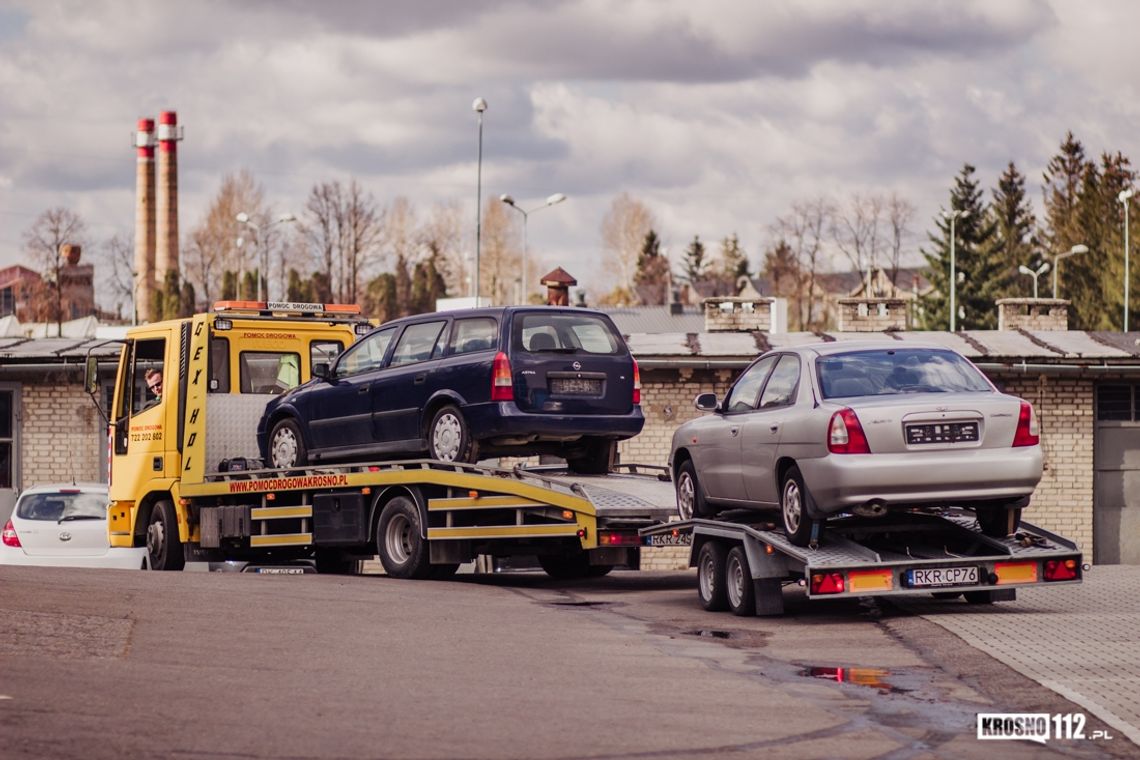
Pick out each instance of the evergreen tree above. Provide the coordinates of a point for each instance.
(229, 285)
(979, 268)
(734, 261)
(1015, 242)
(320, 288)
(1067, 176)
(651, 280)
(171, 296)
(1094, 281)
(694, 262)
(427, 286)
(189, 299)
(249, 287)
(380, 297)
(298, 290)
(784, 278)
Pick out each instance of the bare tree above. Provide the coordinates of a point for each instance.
(44, 242)
(119, 255)
(624, 228)
(213, 241)
(322, 229)
(440, 236)
(803, 230)
(342, 227)
(900, 213)
(857, 232)
(500, 260)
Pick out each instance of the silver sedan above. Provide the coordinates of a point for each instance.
(865, 428)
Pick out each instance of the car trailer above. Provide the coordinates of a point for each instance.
(743, 562)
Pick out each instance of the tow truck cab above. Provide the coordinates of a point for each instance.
(216, 369)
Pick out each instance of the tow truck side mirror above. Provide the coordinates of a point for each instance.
(91, 376)
(706, 402)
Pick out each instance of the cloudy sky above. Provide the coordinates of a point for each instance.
(716, 114)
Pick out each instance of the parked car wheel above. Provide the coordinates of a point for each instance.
(403, 551)
(690, 501)
(738, 584)
(710, 577)
(793, 508)
(999, 522)
(594, 459)
(448, 437)
(286, 446)
(163, 544)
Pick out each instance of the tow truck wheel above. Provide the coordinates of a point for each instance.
(561, 568)
(710, 577)
(163, 544)
(448, 437)
(738, 586)
(286, 447)
(403, 551)
(793, 508)
(999, 522)
(690, 501)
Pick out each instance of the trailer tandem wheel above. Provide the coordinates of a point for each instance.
(711, 577)
(738, 583)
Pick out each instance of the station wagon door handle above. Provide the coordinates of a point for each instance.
(420, 379)
(364, 389)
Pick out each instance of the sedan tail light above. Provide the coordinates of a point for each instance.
(1027, 433)
(502, 384)
(636, 384)
(9, 536)
(845, 434)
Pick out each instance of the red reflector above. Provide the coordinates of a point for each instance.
(9, 536)
(1061, 569)
(502, 385)
(827, 583)
(1026, 433)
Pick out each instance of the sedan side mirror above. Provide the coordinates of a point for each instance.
(706, 402)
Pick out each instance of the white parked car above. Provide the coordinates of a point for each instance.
(65, 526)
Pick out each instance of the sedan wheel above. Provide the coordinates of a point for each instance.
(798, 526)
(686, 493)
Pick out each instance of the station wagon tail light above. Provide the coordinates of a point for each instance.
(636, 384)
(845, 434)
(1027, 433)
(502, 386)
(9, 536)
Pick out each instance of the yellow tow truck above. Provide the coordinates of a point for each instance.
(185, 483)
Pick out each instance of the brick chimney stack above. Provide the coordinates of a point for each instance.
(166, 207)
(144, 221)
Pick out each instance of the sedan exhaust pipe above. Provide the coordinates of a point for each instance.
(873, 508)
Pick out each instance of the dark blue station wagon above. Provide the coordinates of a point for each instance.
(464, 385)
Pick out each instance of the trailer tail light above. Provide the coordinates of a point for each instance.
(1027, 433)
(611, 538)
(845, 434)
(1061, 569)
(9, 536)
(1015, 572)
(636, 384)
(502, 385)
(870, 580)
(827, 583)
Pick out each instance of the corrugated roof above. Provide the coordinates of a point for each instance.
(25, 350)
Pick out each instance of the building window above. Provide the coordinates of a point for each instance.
(1117, 402)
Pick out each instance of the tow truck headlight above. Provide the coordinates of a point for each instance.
(223, 324)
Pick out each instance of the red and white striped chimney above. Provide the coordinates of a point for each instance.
(166, 207)
(144, 221)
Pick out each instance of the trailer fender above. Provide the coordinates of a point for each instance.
(765, 565)
(386, 495)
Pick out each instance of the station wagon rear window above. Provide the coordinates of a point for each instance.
(565, 333)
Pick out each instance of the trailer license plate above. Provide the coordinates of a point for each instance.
(576, 386)
(932, 577)
(671, 539)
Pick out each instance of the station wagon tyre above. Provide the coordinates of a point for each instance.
(448, 437)
(690, 501)
(403, 551)
(738, 586)
(336, 562)
(574, 567)
(999, 522)
(595, 459)
(163, 544)
(286, 446)
(710, 577)
(793, 508)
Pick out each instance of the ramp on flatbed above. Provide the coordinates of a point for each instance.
(639, 492)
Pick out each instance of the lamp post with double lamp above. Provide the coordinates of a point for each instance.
(1079, 248)
(1034, 273)
(953, 216)
(479, 106)
(1124, 197)
(263, 245)
(550, 201)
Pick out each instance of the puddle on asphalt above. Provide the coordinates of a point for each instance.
(872, 678)
(705, 633)
(580, 604)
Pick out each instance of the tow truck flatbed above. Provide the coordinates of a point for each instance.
(910, 553)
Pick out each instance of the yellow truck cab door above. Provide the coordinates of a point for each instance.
(143, 444)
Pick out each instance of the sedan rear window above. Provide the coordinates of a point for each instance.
(890, 371)
(62, 506)
(565, 333)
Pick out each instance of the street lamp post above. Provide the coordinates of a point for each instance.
(1079, 248)
(479, 106)
(263, 245)
(953, 216)
(550, 201)
(1034, 273)
(1124, 197)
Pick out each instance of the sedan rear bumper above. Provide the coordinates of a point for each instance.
(840, 482)
(504, 419)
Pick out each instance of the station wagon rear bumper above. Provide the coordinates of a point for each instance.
(504, 419)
